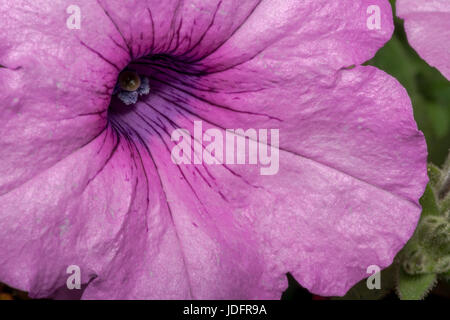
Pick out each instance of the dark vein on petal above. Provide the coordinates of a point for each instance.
(197, 44)
(178, 167)
(130, 50)
(95, 113)
(152, 47)
(132, 146)
(100, 56)
(131, 141)
(175, 125)
(170, 211)
(218, 105)
(232, 34)
(189, 85)
(108, 159)
(293, 153)
(172, 24)
(177, 37)
(119, 45)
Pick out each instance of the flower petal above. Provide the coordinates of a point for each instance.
(299, 34)
(127, 240)
(352, 168)
(183, 29)
(53, 88)
(68, 216)
(427, 24)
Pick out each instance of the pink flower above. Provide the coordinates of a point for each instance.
(427, 24)
(90, 182)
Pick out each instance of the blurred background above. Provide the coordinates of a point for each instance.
(430, 95)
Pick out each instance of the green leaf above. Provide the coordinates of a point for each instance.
(445, 203)
(443, 188)
(435, 175)
(428, 202)
(428, 251)
(414, 287)
(440, 185)
(446, 166)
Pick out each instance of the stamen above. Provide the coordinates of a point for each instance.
(129, 81)
(130, 86)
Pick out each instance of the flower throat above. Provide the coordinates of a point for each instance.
(130, 86)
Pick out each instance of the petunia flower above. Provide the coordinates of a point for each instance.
(427, 25)
(89, 182)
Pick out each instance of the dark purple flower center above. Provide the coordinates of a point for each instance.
(149, 96)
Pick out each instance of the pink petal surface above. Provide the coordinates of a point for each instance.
(427, 24)
(76, 189)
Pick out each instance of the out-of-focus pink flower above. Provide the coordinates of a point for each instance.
(88, 181)
(427, 24)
